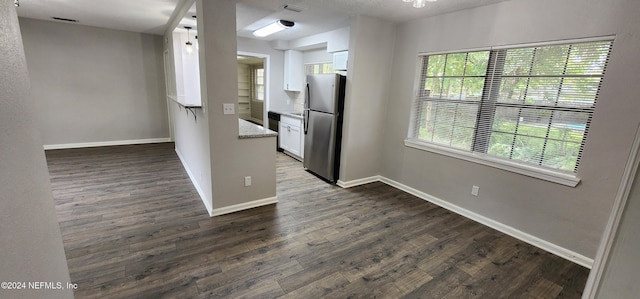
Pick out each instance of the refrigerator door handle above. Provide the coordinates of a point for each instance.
(305, 121)
(305, 115)
(307, 99)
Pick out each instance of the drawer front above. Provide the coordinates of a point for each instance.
(291, 121)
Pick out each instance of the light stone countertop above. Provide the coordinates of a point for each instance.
(251, 130)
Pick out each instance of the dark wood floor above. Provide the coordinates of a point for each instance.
(133, 226)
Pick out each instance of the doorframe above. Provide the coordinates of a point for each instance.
(267, 80)
(608, 237)
(169, 80)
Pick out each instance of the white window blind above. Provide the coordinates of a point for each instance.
(532, 104)
(449, 103)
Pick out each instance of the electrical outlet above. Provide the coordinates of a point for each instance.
(474, 190)
(247, 181)
(228, 108)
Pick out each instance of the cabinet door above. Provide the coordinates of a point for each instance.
(295, 140)
(285, 137)
(293, 70)
(290, 139)
(340, 60)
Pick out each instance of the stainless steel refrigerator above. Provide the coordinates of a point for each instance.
(323, 113)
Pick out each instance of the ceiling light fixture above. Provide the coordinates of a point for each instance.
(419, 3)
(16, 3)
(274, 27)
(188, 43)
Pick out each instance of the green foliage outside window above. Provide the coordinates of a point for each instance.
(527, 104)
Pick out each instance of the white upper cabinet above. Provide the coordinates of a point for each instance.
(340, 60)
(293, 70)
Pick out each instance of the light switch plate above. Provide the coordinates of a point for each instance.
(228, 108)
(474, 190)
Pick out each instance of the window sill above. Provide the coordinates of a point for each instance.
(558, 177)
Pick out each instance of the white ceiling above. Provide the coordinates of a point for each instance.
(151, 16)
(146, 16)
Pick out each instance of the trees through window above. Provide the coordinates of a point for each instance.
(319, 68)
(532, 104)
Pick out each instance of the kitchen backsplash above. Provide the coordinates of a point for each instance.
(298, 102)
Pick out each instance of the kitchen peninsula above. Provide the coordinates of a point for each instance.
(250, 130)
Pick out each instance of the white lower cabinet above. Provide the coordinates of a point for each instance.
(291, 136)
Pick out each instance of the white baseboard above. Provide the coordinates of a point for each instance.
(105, 143)
(358, 182)
(518, 234)
(224, 210)
(203, 197)
(244, 206)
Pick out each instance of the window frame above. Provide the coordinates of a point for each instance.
(476, 154)
(321, 65)
(255, 85)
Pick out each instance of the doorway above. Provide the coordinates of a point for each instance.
(253, 87)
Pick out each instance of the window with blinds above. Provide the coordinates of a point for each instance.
(450, 100)
(259, 83)
(319, 68)
(530, 104)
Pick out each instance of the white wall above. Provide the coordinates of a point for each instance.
(186, 69)
(191, 135)
(95, 85)
(573, 218)
(334, 41)
(30, 239)
(368, 79)
(191, 132)
(317, 55)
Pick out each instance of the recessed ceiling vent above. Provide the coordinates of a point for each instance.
(65, 20)
(292, 8)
